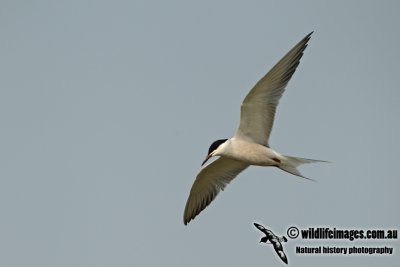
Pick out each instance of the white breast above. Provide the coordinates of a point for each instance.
(250, 153)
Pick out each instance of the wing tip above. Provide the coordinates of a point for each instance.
(187, 217)
(305, 40)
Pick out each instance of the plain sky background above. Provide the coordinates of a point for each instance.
(107, 109)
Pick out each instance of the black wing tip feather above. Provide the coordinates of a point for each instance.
(308, 36)
(304, 43)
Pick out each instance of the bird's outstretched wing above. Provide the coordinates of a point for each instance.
(258, 108)
(261, 228)
(210, 180)
(281, 254)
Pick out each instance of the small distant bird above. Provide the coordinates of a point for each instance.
(249, 145)
(274, 240)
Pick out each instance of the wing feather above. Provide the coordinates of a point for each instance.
(261, 228)
(209, 182)
(258, 108)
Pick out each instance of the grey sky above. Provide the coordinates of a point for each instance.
(107, 109)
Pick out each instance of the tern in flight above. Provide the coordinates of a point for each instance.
(249, 145)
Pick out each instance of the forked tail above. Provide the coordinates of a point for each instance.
(290, 164)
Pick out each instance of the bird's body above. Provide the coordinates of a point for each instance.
(249, 152)
(249, 145)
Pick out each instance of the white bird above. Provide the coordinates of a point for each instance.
(249, 145)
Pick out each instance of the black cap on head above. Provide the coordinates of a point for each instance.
(215, 145)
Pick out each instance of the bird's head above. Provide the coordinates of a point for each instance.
(264, 239)
(214, 149)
